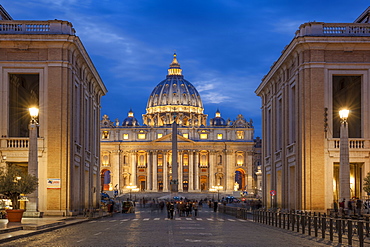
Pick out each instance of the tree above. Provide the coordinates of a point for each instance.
(14, 182)
(366, 187)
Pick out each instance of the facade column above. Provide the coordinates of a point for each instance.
(155, 171)
(230, 176)
(191, 170)
(149, 164)
(134, 167)
(165, 172)
(249, 176)
(212, 164)
(180, 171)
(196, 170)
(115, 172)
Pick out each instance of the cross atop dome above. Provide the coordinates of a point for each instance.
(174, 67)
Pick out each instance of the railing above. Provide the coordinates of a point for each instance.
(12, 143)
(354, 230)
(333, 29)
(17, 143)
(352, 143)
(36, 27)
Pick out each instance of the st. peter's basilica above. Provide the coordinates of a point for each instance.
(215, 155)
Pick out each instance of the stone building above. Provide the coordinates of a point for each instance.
(324, 68)
(217, 154)
(44, 64)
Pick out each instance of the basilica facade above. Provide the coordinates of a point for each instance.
(218, 153)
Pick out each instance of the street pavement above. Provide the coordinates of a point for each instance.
(147, 227)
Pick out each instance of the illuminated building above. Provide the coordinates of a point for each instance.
(323, 69)
(218, 154)
(44, 64)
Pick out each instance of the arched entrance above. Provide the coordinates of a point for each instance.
(142, 183)
(203, 183)
(105, 179)
(239, 180)
(185, 186)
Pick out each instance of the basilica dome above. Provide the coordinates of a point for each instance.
(217, 121)
(174, 98)
(130, 120)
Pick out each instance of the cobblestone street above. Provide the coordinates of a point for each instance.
(153, 228)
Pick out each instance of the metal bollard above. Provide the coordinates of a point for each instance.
(331, 230)
(339, 230)
(323, 227)
(280, 220)
(360, 228)
(315, 225)
(298, 221)
(350, 232)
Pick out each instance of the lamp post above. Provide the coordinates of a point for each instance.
(32, 206)
(217, 188)
(132, 188)
(344, 167)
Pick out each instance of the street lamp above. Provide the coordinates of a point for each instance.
(344, 166)
(132, 188)
(217, 188)
(32, 206)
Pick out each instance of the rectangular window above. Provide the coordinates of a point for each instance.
(141, 136)
(219, 136)
(347, 94)
(23, 94)
(240, 134)
(292, 115)
(105, 134)
(160, 159)
(159, 135)
(186, 135)
(186, 160)
(203, 136)
(125, 136)
(279, 124)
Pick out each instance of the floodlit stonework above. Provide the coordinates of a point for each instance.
(324, 68)
(44, 64)
(218, 154)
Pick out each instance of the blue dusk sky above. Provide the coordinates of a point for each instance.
(224, 47)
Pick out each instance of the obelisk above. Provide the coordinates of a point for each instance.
(174, 180)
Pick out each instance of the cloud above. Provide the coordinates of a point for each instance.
(286, 26)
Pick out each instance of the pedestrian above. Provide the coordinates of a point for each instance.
(349, 206)
(110, 208)
(358, 206)
(215, 205)
(171, 209)
(195, 207)
(341, 206)
(335, 206)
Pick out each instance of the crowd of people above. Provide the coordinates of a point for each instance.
(354, 206)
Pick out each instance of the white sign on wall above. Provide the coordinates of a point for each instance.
(53, 183)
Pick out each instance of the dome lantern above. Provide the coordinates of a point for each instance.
(174, 98)
(174, 67)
